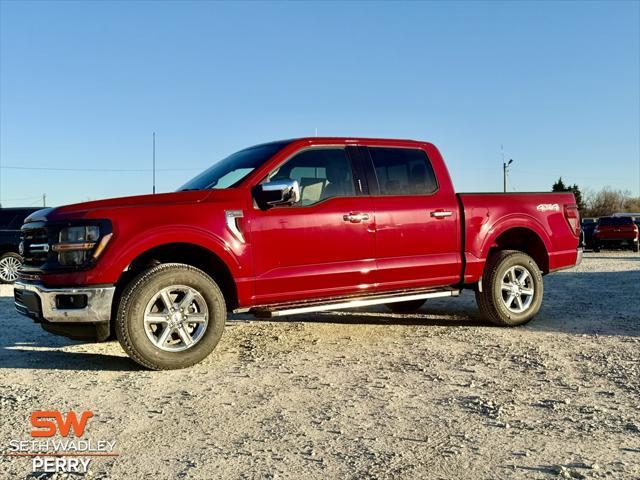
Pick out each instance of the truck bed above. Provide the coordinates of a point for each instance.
(535, 216)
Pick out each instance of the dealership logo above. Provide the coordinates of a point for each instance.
(58, 443)
(44, 427)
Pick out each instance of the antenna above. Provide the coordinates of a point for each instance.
(154, 163)
(505, 173)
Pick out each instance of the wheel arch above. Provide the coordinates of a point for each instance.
(196, 255)
(8, 248)
(532, 241)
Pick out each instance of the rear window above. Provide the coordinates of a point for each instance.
(615, 221)
(403, 171)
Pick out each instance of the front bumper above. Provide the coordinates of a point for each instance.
(53, 304)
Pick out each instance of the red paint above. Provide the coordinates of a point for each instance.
(294, 253)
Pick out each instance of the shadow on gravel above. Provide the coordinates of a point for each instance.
(24, 344)
(62, 360)
(426, 317)
(603, 303)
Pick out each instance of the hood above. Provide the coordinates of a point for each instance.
(86, 209)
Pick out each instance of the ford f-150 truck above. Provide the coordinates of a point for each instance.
(284, 228)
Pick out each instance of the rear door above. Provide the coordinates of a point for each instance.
(324, 246)
(417, 237)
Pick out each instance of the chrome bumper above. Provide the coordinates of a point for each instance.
(39, 303)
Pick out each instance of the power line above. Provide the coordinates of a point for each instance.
(114, 170)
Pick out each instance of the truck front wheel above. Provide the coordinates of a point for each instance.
(512, 289)
(170, 316)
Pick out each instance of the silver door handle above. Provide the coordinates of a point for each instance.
(356, 217)
(441, 214)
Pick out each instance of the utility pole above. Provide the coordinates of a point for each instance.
(154, 163)
(505, 173)
(44, 199)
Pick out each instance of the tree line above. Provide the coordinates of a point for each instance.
(601, 203)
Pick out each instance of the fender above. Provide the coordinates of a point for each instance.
(483, 238)
(514, 221)
(158, 237)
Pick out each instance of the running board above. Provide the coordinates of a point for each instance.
(292, 309)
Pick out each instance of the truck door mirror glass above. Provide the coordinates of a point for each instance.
(278, 192)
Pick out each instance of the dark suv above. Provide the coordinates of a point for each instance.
(11, 219)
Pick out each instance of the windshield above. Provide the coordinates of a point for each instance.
(232, 170)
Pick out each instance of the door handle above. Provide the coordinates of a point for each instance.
(441, 214)
(355, 217)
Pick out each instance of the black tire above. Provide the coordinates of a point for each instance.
(130, 328)
(405, 307)
(7, 263)
(635, 248)
(491, 301)
(596, 248)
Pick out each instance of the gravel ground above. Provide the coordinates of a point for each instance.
(361, 394)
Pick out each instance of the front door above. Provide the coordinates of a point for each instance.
(324, 245)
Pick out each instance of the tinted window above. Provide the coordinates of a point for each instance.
(6, 219)
(615, 221)
(233, 169)
(403, 171)
(322, 173)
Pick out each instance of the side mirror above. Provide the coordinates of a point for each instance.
(278, 192)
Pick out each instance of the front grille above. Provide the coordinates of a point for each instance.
(36, 246)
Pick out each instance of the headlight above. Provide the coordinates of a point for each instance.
(77, 245)
(86, 234)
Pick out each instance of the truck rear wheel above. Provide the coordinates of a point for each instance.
(170, 316)
(405, 307)
(512, 289)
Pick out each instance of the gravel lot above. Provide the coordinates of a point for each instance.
(362, 394)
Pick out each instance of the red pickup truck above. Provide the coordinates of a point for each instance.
(285, 228)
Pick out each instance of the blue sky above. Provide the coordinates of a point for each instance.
(84, 85)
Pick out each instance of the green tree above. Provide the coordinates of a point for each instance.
(560, 186)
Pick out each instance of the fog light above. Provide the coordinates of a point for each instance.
(71, 302)
(73, 257)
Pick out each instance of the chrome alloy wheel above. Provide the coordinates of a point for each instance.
(9, 266)
(517, 289)
(176, 318)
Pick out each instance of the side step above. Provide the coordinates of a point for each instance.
(296, 309)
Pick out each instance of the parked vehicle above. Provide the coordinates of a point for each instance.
(588, 226)
(616, 232)
(11, 220)
(286, 228)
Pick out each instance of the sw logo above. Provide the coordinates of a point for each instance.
(43, 426)
(58, 443)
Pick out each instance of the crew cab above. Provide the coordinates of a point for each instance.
(616, 232)
(286, 228)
